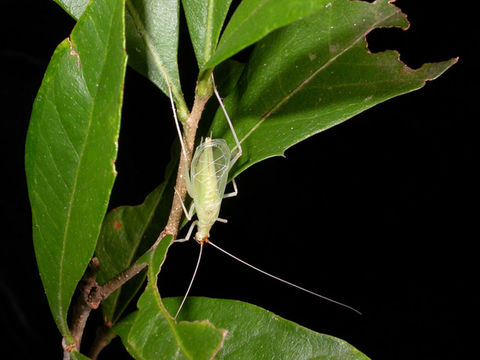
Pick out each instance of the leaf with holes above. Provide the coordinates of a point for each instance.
(71, 149)
(255, 333)
(315, 74)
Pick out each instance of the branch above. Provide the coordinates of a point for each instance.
(102, 292)
(81, 309)
(104, 336)
(189, 131)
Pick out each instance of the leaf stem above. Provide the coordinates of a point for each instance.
(204, 85)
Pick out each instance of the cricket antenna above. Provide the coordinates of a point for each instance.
(191, 281)
(284, 281)
(176, 119)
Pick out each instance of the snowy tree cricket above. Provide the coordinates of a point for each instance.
(206, 181)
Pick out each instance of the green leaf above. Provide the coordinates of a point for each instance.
(152, 41)
(255, 333)
(153, 331)
(254, 19)
(314, 74)
(71, 149)
(205, 20)
(227, 75)
(152, 44)
(74, 7)
(128, 232)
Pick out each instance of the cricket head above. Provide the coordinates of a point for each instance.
(201, 237)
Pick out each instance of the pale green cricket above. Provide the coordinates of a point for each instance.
(206, 182)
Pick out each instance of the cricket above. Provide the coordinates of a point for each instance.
(206, 181)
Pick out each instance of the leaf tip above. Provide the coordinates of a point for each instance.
(432, 71)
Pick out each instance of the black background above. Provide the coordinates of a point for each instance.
(377, 212)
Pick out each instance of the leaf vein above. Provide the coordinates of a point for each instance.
(151, 48)
(77, 172)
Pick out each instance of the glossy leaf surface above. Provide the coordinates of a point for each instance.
(314, 74)
(255, 333)
(71, 149)
(227, 75)
(254, 19)
(153, 331)
(205, 20)
(74, 7)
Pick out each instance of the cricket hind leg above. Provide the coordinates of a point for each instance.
(189, 233)
(238, 146)
(234, 192)
(189, 213)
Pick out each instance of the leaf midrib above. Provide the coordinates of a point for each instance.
(209, 31)
(80, 158)
(151, 49)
